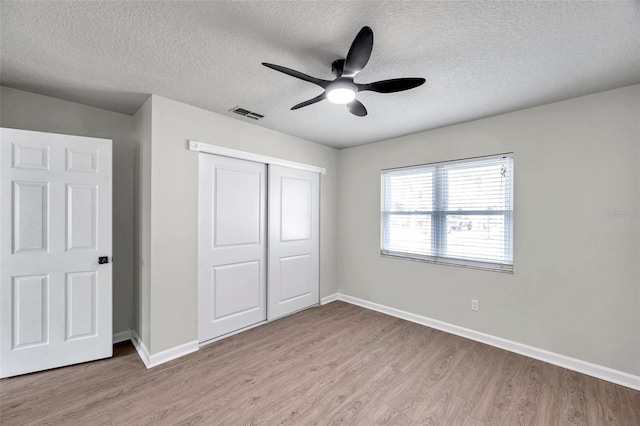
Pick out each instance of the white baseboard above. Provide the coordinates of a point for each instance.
(173, 353)
(328, 299)
(153, 360)
(121, 336)
(594, 370)
(143, 353)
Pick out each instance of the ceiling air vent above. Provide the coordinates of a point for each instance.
(247, 113)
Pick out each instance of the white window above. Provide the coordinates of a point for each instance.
(457, 212)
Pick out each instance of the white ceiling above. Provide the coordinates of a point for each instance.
(480, 58)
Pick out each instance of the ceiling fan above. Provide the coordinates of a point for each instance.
(343, 89)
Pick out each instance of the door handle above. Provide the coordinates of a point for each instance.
(103, 259)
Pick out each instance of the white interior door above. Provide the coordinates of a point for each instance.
(55, 206)
(294, 270)
(231, 245)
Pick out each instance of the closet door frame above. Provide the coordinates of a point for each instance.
(201, 147)
(243, 155)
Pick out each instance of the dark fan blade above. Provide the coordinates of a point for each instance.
(359, 53)
(356, 108)
(390, 86)
(309, 102)
(297, 74)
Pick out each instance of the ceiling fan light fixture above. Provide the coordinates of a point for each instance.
(341, 92)
(341, 96)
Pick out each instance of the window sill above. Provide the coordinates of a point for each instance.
(485, 266)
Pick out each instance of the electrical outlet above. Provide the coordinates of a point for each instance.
(474, 305)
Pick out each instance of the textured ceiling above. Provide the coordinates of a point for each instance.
(479, 58)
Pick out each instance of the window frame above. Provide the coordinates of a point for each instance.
(438, 217)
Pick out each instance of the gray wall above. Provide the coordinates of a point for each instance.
(174, 203)
(29, 111)
(575, 289)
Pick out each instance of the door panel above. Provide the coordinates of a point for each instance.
(294, 266)
(236, 288)
(295, 280)
(81, 216)
(55, 211)
(84, 160)
(30, 156)
(238, 197)
(295, 216)
(81, 309)
(30, 214)
(232, 245)
(30, 311)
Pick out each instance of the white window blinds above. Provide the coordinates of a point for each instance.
(458, 212)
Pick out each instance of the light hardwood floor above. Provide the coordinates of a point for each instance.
(334, 365)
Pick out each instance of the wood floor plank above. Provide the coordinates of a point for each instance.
(435, 368)
(470, 421)
(337, 364)
(385, 415)
(526, 394)
(499, 400)
(355, 404)
(444, 409)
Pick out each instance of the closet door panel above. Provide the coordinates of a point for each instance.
(294, 266)
(232, 245)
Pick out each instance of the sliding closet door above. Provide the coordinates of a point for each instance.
(294, 269)
(232, 245)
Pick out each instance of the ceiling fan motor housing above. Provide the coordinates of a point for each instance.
(337, 67)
